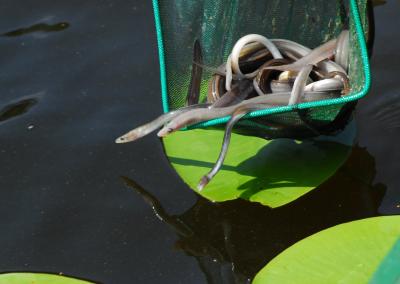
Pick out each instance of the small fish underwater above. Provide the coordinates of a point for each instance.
(38, 29)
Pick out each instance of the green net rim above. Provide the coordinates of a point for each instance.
(354, 12)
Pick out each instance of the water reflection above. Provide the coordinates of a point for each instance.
(378, 2)
(233, 240)
(211, 252)
(17, 108)
(38, 28)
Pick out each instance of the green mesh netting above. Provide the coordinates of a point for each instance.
(218, 24)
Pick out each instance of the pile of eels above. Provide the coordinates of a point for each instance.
(259, 73)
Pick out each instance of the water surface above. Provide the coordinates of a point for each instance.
(76, 75)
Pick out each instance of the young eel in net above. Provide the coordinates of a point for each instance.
(238, 113)
(191, 101)
(343, 78)
(312, 57)
(299, 84)
(194, 85)
(342, 49)
(236, 116)
(318, 54)
(296, 51)
(199, 115)
(240, 91)
(250, 55)
(232, 63)
(264, 74)
(153, 125)
(236, 95)
(292, 50)
(296, 93)
(329, 84)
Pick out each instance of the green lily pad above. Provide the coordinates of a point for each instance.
(389, 269)
(347, 253)
(272, 173)
(38, 278)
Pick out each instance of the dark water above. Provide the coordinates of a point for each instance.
(74, 75)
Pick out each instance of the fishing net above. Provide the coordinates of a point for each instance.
(218, 24)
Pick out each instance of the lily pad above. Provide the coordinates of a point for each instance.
(347, 253)
(38, 278)
(272, 173)
(389, 269)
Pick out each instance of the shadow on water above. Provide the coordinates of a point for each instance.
(38, 28)
(233, 240)
(16, 109)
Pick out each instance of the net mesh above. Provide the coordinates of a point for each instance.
(218, 24)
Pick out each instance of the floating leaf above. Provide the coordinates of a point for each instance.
(38, 278)
(347, 253)
(389, 269)
(273, 173)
